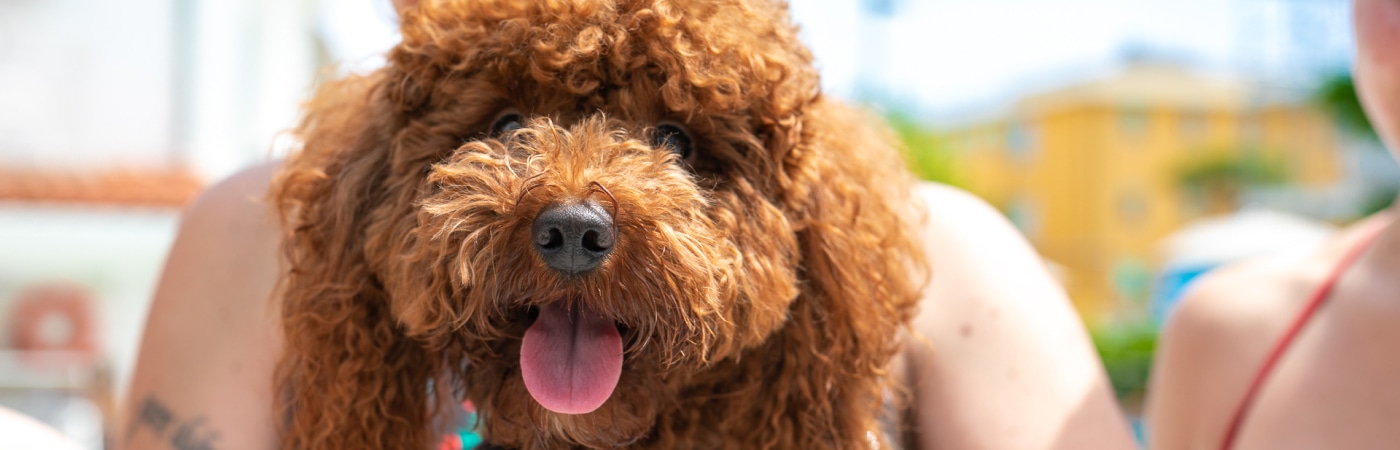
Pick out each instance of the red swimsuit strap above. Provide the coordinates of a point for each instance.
(1318, 298)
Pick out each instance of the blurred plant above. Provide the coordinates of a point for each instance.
(1225, 174)
(1377, 202)
(928, 154)
(1337, 95)
(1126, 350)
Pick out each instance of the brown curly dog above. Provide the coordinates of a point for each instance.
(605, 224)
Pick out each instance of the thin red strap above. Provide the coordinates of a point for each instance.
(1319, 297)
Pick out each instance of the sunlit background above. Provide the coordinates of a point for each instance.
(1136, 143)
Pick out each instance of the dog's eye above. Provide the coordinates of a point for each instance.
(507, 123)
(674, 137)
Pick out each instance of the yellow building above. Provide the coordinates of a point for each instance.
(1091, 173)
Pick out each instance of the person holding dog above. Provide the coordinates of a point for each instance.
(995, 356)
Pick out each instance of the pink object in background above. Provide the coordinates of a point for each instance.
(54, 317)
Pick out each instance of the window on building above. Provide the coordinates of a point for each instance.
(1021, 139)
(1193, 126)
(1132, 207)
(1133, 122)
(1251, 130)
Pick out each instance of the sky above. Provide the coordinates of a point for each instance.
(946, 56)
(87, 82)
(940, 58)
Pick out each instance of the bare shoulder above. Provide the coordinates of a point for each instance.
(985, 273)
(1001, 359)
(238, 199)
(203, 376)
(1214, 341)
(954, 214)
(1237, 301)
(1243, 299)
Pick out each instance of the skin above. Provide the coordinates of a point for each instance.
(213, 323)
(1334, 387)
(1013, 366)
(1000, 359)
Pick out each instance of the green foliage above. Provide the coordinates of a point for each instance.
(1378, 202)
(1126, 350)
(1337, 95)
(1239, 169)
(929, 157)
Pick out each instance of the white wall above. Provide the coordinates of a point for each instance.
(204, 83)
(249, 66)
(85, 83)
(96, 84)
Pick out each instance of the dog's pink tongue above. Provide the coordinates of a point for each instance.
(571, 359)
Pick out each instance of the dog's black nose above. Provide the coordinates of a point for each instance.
(573, 238)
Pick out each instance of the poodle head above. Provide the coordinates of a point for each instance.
(576, 205)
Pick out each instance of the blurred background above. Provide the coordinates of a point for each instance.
(1136, 143)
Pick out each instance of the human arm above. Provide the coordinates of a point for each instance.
(1000, 359)
(204, 374)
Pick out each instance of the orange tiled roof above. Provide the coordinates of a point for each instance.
(125, 187)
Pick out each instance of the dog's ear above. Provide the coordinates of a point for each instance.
(862, 269)
(349, 377)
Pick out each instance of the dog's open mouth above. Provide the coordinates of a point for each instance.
(571, 358)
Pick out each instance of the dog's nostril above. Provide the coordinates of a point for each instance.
(592, 241)
(573, 238)
(551, 240)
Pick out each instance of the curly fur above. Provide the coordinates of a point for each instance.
(760, 287)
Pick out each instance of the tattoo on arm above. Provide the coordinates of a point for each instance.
(192, 434)
(189, 436)
(155, 415)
